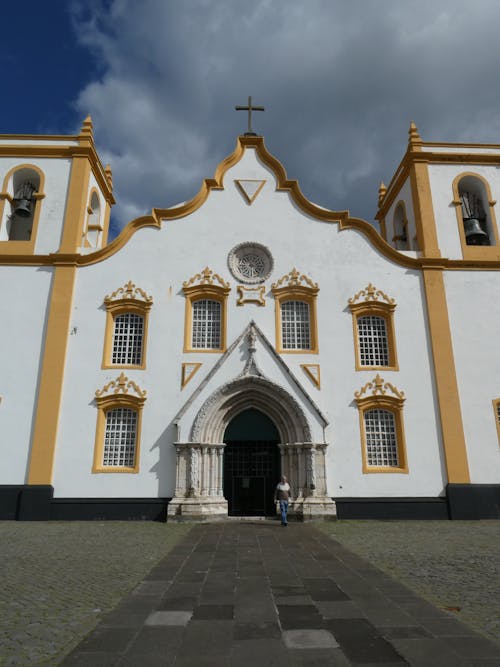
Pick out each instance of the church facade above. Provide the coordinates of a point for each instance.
(178, 370)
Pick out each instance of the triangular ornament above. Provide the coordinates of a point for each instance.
(250, 188)
(313, 372)
(189, 370)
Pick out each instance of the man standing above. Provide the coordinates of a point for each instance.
(283, 493)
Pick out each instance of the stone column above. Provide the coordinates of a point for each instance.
(220, 453)
(205, 470)
(198, 485)
(213, 471)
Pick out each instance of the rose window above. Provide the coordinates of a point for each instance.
(250, 263)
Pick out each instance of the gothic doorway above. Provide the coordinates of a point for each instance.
(251, 464)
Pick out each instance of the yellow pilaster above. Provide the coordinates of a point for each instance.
(455, 452)
(52, 375)
(421, 195)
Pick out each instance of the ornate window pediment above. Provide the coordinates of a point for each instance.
(383, 447)
(296, 323)
(127, 310)
(373, 328)
(118, 430)
(206, 312)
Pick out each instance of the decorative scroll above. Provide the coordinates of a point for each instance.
(206, 277)
(378, 387)
(371, 294)
(121, 386)
(251, 295)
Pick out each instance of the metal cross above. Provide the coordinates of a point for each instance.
(250, 108)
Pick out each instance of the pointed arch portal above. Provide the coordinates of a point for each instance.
(251, 464)
(247, 433)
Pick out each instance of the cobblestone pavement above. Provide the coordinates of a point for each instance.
(58, 580)
(453, 564)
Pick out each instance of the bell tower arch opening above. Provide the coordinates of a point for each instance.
(251, 464)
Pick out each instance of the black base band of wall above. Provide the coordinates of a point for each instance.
(474, 501)
(392, 508)
(24, 502)
(36, 503)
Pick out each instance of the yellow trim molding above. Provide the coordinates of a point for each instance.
(496, 412)
(15, 248)
(52, 376)
(383, 396)
(491, 252)
(313, 373)
(455, 451)
(189, 370)
(294, 286)
(241, 187)
(126, 299)
(251, 295)
(119, 393)
(372, 301)
(205, 285)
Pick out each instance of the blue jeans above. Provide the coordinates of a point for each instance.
(283, 510)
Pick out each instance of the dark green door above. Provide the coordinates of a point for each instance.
(251, 464)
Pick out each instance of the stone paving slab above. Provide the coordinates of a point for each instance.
(289, 597)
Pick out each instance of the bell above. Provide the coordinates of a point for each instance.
(23, 208)
(474, 233)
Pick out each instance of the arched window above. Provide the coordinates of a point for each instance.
(401, 238)
(206, 324)
(125, 339)
(21, 197)
(120, 438)
(475, 213)
(373, 342)
(118, 430)
(381, 438)
(295, 325)
(373, 328)
(206, 312)
(380, 407)
(296, 328)
(128, 339)
(94, 228)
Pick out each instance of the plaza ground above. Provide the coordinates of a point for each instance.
(61, 579)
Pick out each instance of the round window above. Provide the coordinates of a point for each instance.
(250, 263)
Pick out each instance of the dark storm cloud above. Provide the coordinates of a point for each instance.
(340, 80)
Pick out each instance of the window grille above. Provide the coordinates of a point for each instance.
(120, 438)
(381, 439)
(128, 340)
(295, 325)
(206, 324)
(373, 341)
(498, 413)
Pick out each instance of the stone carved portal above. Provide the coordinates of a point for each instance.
(200, 467)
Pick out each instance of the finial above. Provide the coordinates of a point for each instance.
(414, 137)
(109, 175)
(381, 192)
(87, 127)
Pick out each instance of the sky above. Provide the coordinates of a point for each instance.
(340, 80)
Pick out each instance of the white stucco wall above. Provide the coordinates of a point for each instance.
(158, 261)
(23, 317)
(472, 297)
